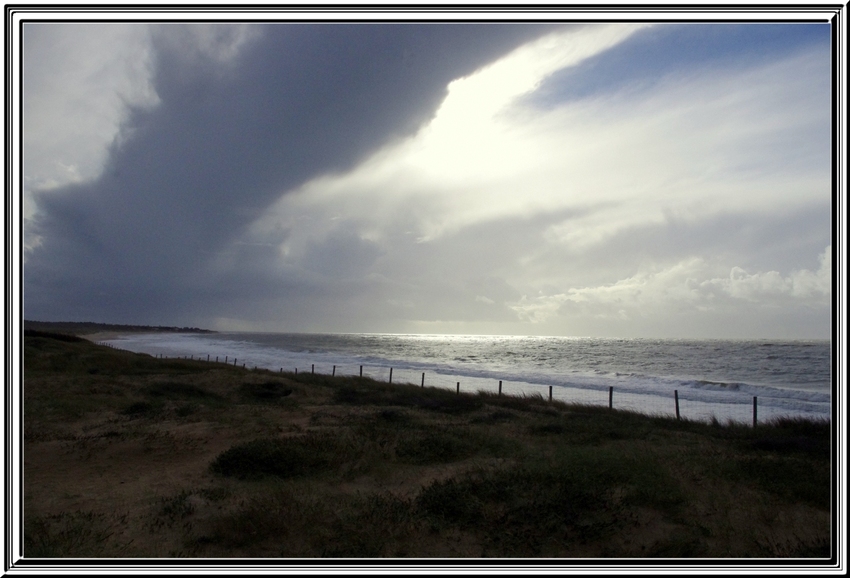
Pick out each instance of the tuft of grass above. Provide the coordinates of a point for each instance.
(372, 526)
(142, 409)
(552, 428)
(788, 435)
(185, 409)
(393, 416)
(579, 495)
(290, 522)
(271, 391)
(215, 494)
(794, 479)
(70, 534)
(434, 447)
(179, 390)
(296, 523)
(498, 416)
(172, 510)
(526, 402)
(290, 457)
(367, 392)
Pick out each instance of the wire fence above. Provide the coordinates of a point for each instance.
(731, 407)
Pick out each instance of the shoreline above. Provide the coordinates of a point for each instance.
(701, 403)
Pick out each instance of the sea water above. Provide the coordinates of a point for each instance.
(712, 378)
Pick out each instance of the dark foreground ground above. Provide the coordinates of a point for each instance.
(130, 456)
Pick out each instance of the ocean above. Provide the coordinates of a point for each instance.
(712, 378)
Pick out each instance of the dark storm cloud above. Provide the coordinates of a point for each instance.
(227, 138)
(341, 254)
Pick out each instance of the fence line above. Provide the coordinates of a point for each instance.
(379, 376)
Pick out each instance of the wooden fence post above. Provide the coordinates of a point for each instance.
(550, 393)
(676, 397)
(458, 387)
(391, 375)
(312, 368)
(225, 359)
(611, 397)
(423, 380)
(334, 371)
(361, 371)
(500, 387)
(755, 410)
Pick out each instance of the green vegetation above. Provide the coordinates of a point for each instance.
(133, 456)
(281, 457)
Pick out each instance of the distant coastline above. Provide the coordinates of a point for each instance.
(86, 328)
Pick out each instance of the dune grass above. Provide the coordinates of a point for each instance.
(134, 456)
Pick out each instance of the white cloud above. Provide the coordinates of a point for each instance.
(811, 287)
(686, 285)
(78, 80)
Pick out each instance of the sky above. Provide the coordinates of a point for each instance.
(606, 179)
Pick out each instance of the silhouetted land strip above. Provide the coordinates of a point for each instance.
(87, 328)
(132, 456)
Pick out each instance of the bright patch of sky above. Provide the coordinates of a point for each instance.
(615, 180)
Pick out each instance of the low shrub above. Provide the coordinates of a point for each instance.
(173, 509)
(393, 416)
(69, 534)
(433, 399)
(177, 390)
(498, 416)
(530, 402)
(553, 428)
(185, 409)
(142, 409)
(280, 457)
(433, 447)
(265, 392)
